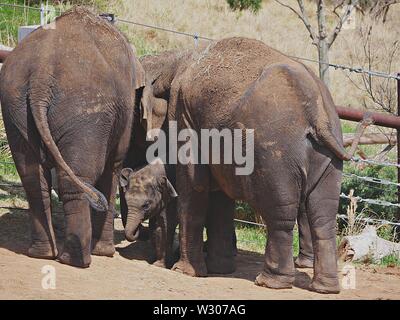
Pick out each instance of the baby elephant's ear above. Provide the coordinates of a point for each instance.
(170, 189)
(124, 178)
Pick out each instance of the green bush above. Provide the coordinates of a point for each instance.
(370, 190)
(390, 261)
(244, 212)
(240, 5)
(12, 18)
(100, 4)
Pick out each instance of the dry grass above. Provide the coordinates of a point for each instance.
(274, 25)
(281, 29)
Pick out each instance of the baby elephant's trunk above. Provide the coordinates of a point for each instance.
(132, 227)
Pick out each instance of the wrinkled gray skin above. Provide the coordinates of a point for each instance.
(239, 83)
(150, 196)
(67, 98)
(160, 69)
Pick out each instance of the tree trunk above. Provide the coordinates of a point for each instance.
(370, 138)
(323, 46)
(366, 246)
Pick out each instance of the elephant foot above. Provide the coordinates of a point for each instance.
(325, 285)
(220, 265)
(103, 248)
(42, 250)
(274, 281)
(303, 262)
(199, 270)
(74, 254)
(160, 263)
(74, 260)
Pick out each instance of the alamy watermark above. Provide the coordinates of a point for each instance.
(349, 277)
(49, 278)
(226, 146)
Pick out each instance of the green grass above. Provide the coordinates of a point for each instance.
(12, 18)
(8, 171)
(253, 238)
(250, 238)
(142, 47)
(348, 127)
(370, 190)
(390, 261)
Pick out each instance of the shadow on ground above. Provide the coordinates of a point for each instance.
(15, 220)
(15, 236)
(139, 250)
(248, 264)
(14, 223)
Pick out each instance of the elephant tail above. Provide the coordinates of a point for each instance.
(322, 115)
(326, 137)
(324, 126)
(96, 199)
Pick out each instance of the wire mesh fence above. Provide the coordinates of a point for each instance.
(7, 168)
(197, 37)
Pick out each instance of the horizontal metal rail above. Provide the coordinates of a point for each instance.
(380, 119)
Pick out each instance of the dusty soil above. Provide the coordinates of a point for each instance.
(129, 276)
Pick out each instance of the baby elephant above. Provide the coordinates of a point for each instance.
(150, 195)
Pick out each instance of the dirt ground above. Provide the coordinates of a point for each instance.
(128, 276)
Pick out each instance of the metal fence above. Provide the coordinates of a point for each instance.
(382, 120)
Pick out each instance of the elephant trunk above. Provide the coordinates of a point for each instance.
(132, 226)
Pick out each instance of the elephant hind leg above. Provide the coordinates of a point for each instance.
(305, 259)
(76, 250)
(193, 189)
(322, 206)
(36, 180)
(38, 186)
(103, 223)
(221, 246)
(279, 272)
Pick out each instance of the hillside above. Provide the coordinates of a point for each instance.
(275, 25)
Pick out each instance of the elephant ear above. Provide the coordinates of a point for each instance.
(171, 190)
(124, 178)
(153, 111)
(168, 188)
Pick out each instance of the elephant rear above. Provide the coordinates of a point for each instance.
(290, 101)
(67, 94)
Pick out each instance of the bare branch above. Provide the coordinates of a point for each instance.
(342, 19)
(302, 15)
(371, 138)
(381, 8)
(378, 93)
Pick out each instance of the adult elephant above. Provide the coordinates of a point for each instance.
(153, 112)
(239, 83)
(161, 70)
(67, 97)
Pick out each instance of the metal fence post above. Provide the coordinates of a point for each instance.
(42, 15)
(398, 149)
